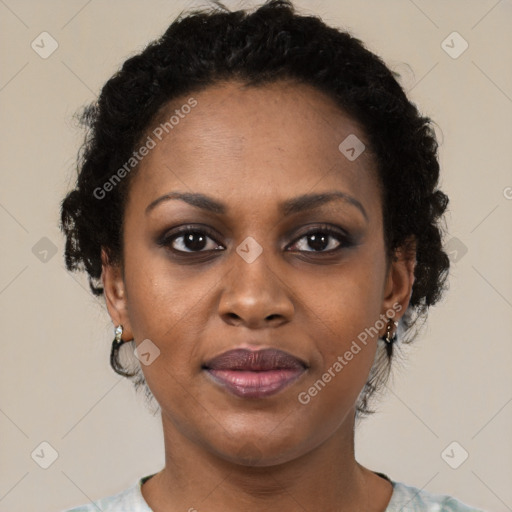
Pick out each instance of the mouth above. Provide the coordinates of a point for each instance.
(254, 374)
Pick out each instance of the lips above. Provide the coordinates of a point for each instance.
(254, 374)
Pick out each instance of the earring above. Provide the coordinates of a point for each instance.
(117, 340)
(388, 338)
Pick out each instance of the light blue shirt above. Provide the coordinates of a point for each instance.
(404, 499)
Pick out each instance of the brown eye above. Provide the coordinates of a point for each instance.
(321, 240)
(190, 240)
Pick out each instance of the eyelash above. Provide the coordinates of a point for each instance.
(344, 239)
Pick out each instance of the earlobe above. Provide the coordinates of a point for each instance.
(115, 295)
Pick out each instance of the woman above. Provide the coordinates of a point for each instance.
(257, 202)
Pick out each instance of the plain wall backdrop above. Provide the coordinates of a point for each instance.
(56, 385)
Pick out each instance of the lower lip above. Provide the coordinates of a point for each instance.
(260, 384)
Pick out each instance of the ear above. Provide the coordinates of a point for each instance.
(115, 295)
(400, 279)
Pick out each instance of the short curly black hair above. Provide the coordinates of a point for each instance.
(273, 42)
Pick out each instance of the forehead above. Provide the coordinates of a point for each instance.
(246, 142)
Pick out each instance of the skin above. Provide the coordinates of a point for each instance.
(251, 149)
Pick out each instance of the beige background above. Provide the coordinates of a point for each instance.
(55, 382)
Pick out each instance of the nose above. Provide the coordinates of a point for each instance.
(254, 295)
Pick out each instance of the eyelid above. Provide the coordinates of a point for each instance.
(322, 226)
(169, 236)
(346, 238)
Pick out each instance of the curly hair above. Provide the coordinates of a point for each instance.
(273, 42)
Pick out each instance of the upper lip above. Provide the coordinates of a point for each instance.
(255, 360)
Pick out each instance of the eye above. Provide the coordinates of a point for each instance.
(190, 240)
(323, 239)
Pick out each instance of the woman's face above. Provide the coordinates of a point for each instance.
(284, 249)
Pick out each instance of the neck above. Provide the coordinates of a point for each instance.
(325, 478)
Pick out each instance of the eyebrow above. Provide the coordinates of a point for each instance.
(288, 207)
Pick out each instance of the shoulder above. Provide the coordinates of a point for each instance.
(406, 498)
(130, 499)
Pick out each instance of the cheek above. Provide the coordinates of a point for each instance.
(345, 321)
(165, 310)
(162, 306)
(340, 371)
(346, 300)
(158, 297)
